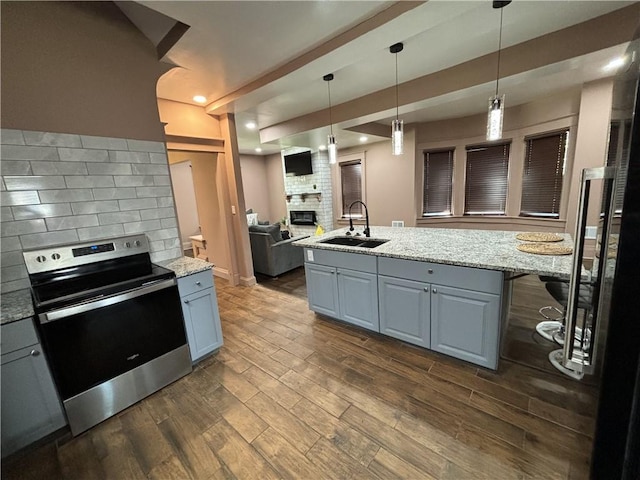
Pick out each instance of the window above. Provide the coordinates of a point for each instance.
(351, 187)
(486, 180)
(436, 189)
(544, 161)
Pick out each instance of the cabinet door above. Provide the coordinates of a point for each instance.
(405, 310)
(30, 405)
(202, 322)
(322, 289)
(465, 324)
(358, 294)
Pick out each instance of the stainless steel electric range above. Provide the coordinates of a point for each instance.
(110, 322)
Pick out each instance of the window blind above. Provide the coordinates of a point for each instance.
(486, 179)
(436, 188)
(543, 173)
(351, 184)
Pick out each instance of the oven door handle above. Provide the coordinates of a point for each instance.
(105, 302)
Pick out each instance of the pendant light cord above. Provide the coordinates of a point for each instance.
(397, 103)
(330, 122)
(499, 50)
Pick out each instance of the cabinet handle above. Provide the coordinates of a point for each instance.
(186, 301)
(333, 273)
(426, 289)
(337, 273)
(34, 353)
(435, 291)
(430, 270)
(198, 283)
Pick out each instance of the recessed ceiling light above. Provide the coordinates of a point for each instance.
(200, 99)
(322, 147)
(250, 125)
(363, 139)
(258, 149)
(613, 64)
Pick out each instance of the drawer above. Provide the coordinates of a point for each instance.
(17, 335)
(478, 279)
(332, 258)
(195, 282)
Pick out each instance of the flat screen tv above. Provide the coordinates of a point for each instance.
(298, 164)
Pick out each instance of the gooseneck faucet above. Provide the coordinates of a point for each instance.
(366, 230)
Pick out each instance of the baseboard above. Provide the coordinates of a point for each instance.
(248, 281)
(222, 273)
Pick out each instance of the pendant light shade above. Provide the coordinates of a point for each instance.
(332, 146)
(397, 126)
(496, 103)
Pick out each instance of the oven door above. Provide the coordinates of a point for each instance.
(93, 342)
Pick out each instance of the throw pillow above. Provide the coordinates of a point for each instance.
(252, 219)
(273, 230)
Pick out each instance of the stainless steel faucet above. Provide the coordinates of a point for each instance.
(366, 230)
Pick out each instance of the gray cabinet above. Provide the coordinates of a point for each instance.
(465, 324)
(200, 311)
(405, 307)
(31, 408)
(343, 286)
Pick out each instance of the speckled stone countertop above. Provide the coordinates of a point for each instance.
(15, 306)
(184, 266)
(490, 249)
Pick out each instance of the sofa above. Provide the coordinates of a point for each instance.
(271, 254)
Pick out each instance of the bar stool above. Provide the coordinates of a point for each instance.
(554, 317)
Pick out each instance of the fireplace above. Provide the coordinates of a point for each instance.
(303, 217)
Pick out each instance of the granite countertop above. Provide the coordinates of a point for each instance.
(184, 266)
(490, 249)
(16, 306)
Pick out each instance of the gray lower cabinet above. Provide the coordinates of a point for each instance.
(322, 289)
(465, 324)
(358, 298)
(31, 408)
(201, 315)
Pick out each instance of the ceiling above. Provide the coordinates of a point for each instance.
(264, 60)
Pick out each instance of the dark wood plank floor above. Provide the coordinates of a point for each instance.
(296, 395)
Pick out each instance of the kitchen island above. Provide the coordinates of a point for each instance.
(443, 289)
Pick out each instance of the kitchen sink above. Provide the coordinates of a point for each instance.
(362, 242)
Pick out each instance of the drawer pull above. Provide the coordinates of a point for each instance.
(426, 289)
(186, 301)
(34, 353)
(430, 270)
(198, 283)
(435, 291)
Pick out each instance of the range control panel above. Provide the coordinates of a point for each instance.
(70, 255)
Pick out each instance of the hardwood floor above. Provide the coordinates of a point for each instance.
(295, 395)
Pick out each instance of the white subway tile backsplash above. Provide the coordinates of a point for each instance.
(14, 272)
(20, 227)
(110, 169)
(153, 191)
(38, 240)
(75, 221)
(82, 155)
(19, 198)
(104, 143)
(119, 217)
(59, 168)
(129, 157)
(156, 245)
(162, 180)
(113, 193)
(8, 259)
(166, 255)
(138, 204)
(15, 285)
(160, 158)
(18, 152)
(95, 207)
(141, 169)
(145, 146)
(6, 215)
(2, 187)
(153, 213)
(133, 180)
(165, 202)
(163, 234)
(171, 243)
(169, 222)
(89, 181)
(10, 244)
(29, 182)
(141, 227)
(68, 195)
(15, 167)
(97, 233)
(11, 137)
(51, 139)
(43, 210)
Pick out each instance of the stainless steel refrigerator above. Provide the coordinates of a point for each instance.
(607, 334)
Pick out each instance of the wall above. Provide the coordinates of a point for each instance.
(82, 153)
(256, 186)
(185, 199)
(275, 180)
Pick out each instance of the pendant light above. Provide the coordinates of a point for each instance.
(397, 126)
(496, 103)
(332, 146)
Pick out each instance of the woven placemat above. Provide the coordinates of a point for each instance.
(544, 249)
(539, 237)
